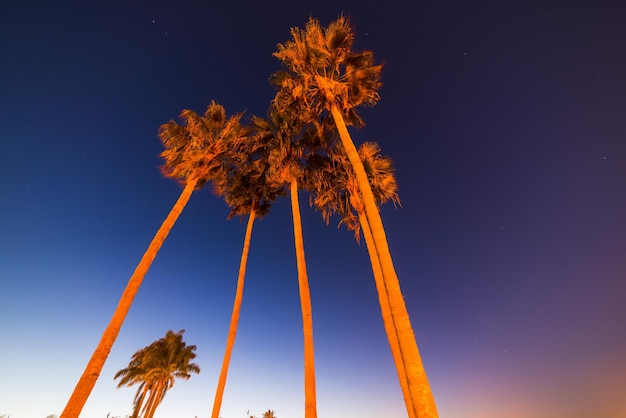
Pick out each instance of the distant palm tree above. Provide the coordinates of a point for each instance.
(324, 77)
(155, 368)
(247, 192)
(269, 414)
(192, 153)
(286, 145)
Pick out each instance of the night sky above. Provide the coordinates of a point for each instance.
(506, 122)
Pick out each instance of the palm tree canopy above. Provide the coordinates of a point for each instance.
(335, 190)
(245, 184)
(194, 149)
(169, 356)
(283, 144)
(157, 366)
(323, 71)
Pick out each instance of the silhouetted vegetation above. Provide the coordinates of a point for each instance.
(155, 368)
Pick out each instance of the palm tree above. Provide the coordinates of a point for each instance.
(155, 368)
(286, 145)
(269, 414)
(192, 153)
(324, 77)
(247, 192)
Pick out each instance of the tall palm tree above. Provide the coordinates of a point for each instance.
(155, 368)
(247, 192)
(324, 78)
(192, 153)
(286, 145)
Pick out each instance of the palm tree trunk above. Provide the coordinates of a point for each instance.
(423, 402)
(145, 404)
(234, 319)
(139, 399)
(310, 402)
(386, 310)
(153, 400)
(148, 404)
(160, 395)
(88, 379)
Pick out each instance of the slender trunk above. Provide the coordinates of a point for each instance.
(386, 310)
(147, 400)
(148, 403)
(310, 402)
(139, 401)
(152, 400)
(422, 400)
(88, 379)
(159, 394)
(234, 319)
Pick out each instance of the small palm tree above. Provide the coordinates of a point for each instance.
(325, 77)
(269, 414)
(155, 368)
(192, 157)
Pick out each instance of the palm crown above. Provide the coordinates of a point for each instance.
(282, 145)
(191, 149)
(335, 189)
(322, 71)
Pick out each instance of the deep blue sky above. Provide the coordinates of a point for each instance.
(506, 124)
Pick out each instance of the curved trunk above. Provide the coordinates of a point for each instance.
(160, 395)
(234, 320)
(88, 379)
(153, 400)
(422, 401)
(386, 310)
(148, 404)
(310, 402)
(139, 398)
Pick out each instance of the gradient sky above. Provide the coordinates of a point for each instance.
(506, 121)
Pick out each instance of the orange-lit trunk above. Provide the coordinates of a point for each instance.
(88, 379)
(156, 397)
(140, 402)
(234, 319)
(422, 402)
(149, 402)
(386, 310)
(310, 401)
